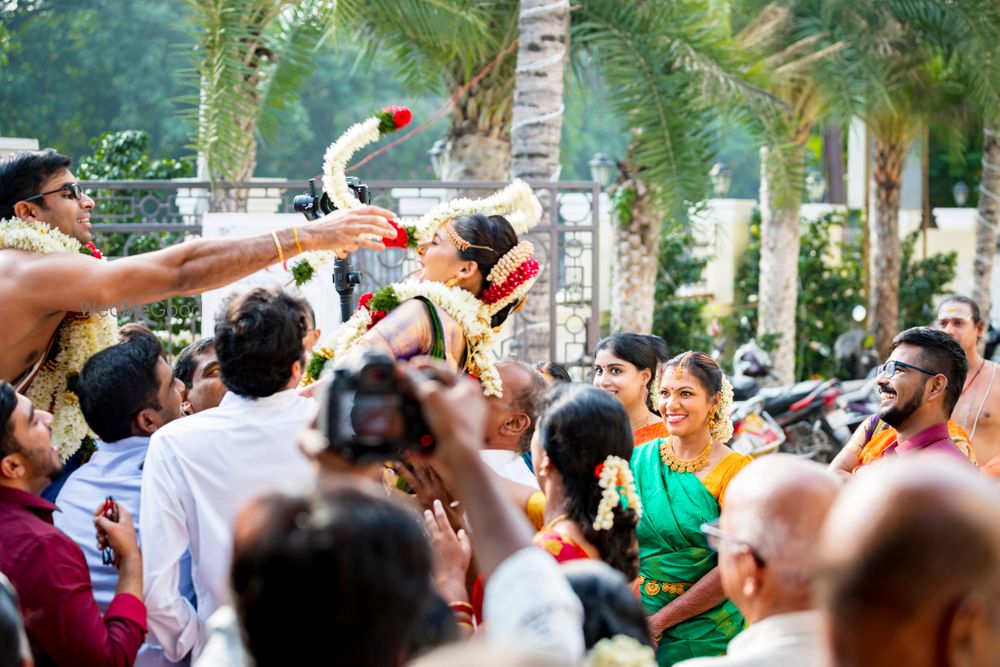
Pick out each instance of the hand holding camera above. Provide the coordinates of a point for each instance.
(115, 532)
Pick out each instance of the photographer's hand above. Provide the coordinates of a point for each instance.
(348, 230)
(455, 410)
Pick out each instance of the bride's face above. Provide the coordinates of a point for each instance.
(439, 260)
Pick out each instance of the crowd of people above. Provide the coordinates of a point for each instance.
(220, 521)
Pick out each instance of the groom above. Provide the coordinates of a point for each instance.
(38, 290)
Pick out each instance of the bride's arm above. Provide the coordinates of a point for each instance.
(402, 334)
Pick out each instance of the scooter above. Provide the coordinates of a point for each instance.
(755, 432)
(807, 411)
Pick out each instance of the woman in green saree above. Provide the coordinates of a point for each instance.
(681, 480)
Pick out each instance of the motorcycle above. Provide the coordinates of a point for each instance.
(813, 424)
(755, 432)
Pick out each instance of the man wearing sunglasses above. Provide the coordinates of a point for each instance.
(38, 290)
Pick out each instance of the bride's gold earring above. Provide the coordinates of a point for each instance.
(451, 282)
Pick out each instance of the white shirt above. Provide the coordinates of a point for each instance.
(199, 472)
(529, 606)
(792, 640)
(509, 465)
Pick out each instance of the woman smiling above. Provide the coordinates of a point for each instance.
(624, 366)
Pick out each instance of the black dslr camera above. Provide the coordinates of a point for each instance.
(315, 206)
(367, 416)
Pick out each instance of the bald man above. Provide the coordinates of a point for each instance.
(767, 542)
(510, 421)
(909, 570)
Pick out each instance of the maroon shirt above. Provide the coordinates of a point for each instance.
(50, 574)
(932, 439)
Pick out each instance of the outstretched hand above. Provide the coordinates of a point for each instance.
(349, 230)
(452, 553)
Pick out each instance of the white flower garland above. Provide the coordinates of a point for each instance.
(615, 475)
(516, 202)
(620, 651)
(78, 339)
(462, 306)
(722, 426)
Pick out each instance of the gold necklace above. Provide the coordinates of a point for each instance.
(677, 464)
(552, 524)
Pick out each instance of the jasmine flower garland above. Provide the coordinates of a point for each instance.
(78, 338)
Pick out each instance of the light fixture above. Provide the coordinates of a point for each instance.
(602, 169)
(960, 191)
(859, 313)
(815, 187)
(722, 178)
(435, 153)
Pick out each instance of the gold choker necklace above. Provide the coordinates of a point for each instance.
(677, 464)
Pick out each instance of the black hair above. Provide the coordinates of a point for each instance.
(363, 556)
(258, 336)
(644, 351)
(579, 427)
(117, 383)
(940, 353)
(699, 364)
(185, 364)
(436, 626)
(558, 372)
(22, 175)
(977, 316)
(497, 236)
(8, 403)
(12, 650)
(610, 606)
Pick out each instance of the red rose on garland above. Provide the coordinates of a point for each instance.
(393, 118)
(377, 317)
(90, 249)
(402, 239)
(364, 300)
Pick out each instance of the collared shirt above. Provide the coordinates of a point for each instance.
(115, 469)
(50, 574)
(199, 472)
(932, 439)
(783, 639)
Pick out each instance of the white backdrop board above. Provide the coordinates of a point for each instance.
(319, 291)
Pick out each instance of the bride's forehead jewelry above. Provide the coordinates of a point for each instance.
(458, 241)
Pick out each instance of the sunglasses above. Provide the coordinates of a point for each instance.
(73, 188)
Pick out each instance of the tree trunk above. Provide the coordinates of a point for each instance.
(987, 217)
(477, 146)
(884, 253)
(779, 269)
(536, 132)
(633, 274)
(538, 90)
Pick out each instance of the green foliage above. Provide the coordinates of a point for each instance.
(124, 156)
(829, 290)
(925, 279)
(678, 320)
(622, 201)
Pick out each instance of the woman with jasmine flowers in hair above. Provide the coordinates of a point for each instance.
(580, 451)
(682, 480)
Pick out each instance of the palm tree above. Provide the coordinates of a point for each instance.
(671, 67)
(251, 56)
(802, 62)
(536, 129)
(987, 217)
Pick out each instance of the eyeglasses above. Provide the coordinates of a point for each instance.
(889, 369)
(714, 536)
(73, 188)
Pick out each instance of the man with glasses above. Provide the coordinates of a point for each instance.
(920, 384)
(767, 538)
(38, 290)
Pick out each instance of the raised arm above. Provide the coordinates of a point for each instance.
(70, 282)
